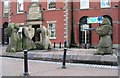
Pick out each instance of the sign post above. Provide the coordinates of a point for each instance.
(85, 38)
(85, 26)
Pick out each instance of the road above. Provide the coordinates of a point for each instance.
(14, 67)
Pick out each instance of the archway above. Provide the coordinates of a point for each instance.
(5, 39)
(85, 36)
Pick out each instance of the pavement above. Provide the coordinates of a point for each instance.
(15, 67)
(75, 55)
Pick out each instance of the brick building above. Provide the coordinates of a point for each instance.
(62, 18)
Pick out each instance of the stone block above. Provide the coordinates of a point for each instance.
(108, 58)
(82, 57)
(94, 58)
(46, 56)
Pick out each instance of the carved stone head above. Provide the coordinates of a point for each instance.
(12, 27)
(105, 21)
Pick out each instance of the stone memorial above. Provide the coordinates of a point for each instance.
(45, 43)
(27, 35)
(15, 44)
(105, 32)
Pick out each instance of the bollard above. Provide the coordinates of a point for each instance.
(64, 58)
(85, 46)
(54, 44)
(119, 62)
(25, 63)
(60, 45)
(65, 44)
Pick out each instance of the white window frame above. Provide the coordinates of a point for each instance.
(105, 3)
(48, 2)
(54, 30)
(6, 8)
(19, 1)
(84, 4)
(34, 0)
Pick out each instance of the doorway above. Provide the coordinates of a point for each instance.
(37, 35)
(5, 39)
(85, 36)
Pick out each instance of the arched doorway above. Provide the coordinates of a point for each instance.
(85, 36)
(5, 39)
(110, 19)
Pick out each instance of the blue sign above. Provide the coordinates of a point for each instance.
(94, 20)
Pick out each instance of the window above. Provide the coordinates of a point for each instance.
(6, 8)
(52, 29)
(51, 4)
(84, 4)
(105, 3)
(34, 0)
(20, 6)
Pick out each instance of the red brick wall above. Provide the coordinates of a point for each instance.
(58, 16)
(96, 11)
(48, 15)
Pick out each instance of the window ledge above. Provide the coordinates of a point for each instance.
(105, 7)
(20, 12)
(52, 9)
(52, 37)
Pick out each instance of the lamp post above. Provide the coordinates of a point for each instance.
(9, 12)
(72, 38)
(66, 19)
(9, 16)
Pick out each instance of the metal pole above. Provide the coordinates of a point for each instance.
(54, 44)
(9, 18)
(3, 36)
(60, 45)
(65, 44)
(85, 39)
(66, 19)
(64, 58)
(9, 13)
(25, 63)
(119, 62)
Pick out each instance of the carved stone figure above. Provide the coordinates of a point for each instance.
(15, 44)
(105, 43)
(27, 35)
(45, 43)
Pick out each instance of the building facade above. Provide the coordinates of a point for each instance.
(63, 18)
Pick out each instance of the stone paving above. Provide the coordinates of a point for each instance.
(73, 55)
(14, 67)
